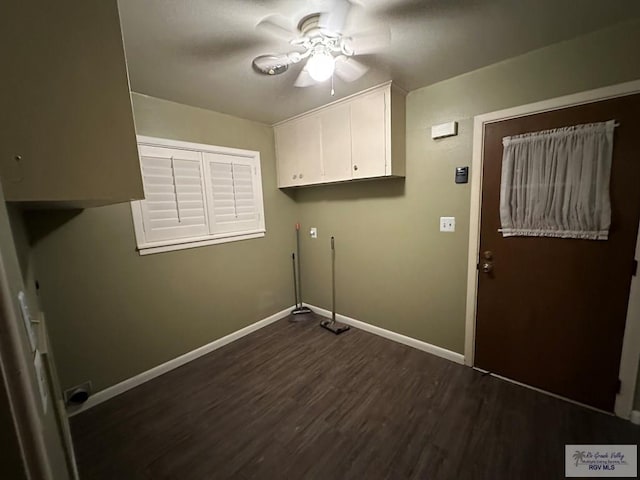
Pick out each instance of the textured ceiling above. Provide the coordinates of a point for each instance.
(199, 52)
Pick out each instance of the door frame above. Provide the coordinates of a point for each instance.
(631, 340)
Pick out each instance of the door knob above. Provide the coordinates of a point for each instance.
(487, 267)
(487, 254)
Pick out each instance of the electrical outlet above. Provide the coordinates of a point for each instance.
(313, 232)
(447, 224)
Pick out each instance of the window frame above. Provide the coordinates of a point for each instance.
(145, 247)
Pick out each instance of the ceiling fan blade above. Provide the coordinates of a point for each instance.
(333, 21)
(269, 60)
(369, 41)
(276, 63)
(304, 79)
(265, 63)
(349, 69)
(277, 26)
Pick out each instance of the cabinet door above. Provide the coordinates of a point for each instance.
(335, 123)
(287, 154)
(309, 149)
(369, 136)
(69, 135)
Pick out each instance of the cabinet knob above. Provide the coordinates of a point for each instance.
(355, 167)
(294, 177)
(301, 175)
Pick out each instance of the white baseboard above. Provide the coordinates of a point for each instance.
(118, 388)
(396, 337)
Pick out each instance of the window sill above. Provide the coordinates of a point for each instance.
(171, 245)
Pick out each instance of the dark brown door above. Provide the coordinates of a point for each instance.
(552, 312)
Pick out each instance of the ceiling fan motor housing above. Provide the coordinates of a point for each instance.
(319, 41)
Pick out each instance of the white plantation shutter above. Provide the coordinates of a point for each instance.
(196, 195)
(174, 205)
(232, 194)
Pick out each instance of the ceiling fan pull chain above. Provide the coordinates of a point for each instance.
(333, 92)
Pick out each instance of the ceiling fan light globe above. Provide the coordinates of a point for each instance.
(320, 66)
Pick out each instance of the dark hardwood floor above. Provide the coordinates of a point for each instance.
(294, 401)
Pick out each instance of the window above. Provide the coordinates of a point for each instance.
(196, 195)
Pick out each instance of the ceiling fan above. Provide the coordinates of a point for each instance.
(319, 40)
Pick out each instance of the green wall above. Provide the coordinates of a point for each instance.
(113, 313)
(394, 268)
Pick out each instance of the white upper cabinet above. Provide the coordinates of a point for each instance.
(335, 122)
(359, 137)
(67, 133)
(309, 150)
(298, 148)
(287, 153)
(369, 135)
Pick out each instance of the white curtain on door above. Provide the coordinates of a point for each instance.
(555, 183)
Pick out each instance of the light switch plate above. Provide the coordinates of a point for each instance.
(313, 232)
(447, 224)
(41, 377)
(26, 318)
